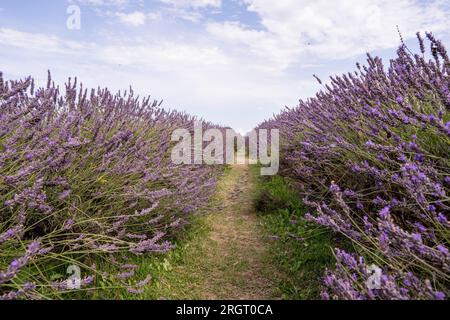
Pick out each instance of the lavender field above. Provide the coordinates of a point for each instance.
(218, 192)
(370, 158)
(86, 177)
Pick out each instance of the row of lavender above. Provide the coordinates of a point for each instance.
(370, 155)
(86, 176)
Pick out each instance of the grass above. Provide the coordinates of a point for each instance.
(165, 283)
(301, 251)
(252, 242)
(221, 255)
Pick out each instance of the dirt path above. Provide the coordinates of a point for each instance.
(228, 260)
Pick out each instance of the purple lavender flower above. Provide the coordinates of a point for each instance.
(379, 134)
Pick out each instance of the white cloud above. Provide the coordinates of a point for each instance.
(116, 3)
(295, 29)
(158, 55)
(134, 19)
(36, 41)
(177, 3)
(193, 3)
(266, 51)
(161, 56)
(228, 72)
(190, 10)
(190, 75)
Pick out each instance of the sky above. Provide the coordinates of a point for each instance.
(232, 62)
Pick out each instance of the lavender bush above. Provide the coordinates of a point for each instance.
(370, 155)
(87, 174)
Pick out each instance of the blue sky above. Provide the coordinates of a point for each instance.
(234, 62)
